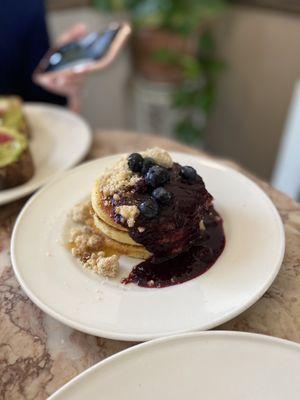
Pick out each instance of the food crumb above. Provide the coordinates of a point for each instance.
(161, 156)
(88, 246)
(129, 213)
(202, 226)
(116, 178)
(81, 212)
(108, 266)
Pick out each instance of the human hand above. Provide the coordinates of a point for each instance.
(67, 83)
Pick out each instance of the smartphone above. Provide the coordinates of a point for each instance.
(90, 53)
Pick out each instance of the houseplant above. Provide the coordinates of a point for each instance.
(173, 43)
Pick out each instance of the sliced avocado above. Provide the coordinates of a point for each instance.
(13, 118)
(12, 145)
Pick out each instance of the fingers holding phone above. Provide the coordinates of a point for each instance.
(63, 69)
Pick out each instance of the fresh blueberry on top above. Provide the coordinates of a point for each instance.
(148, 163)
(188, 173)
(162, 195)
(135, 162)
(157, 176)
(149, 208)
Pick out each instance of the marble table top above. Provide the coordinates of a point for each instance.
(38, 354)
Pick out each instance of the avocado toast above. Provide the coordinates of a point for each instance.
(12, 115)
(16, 165)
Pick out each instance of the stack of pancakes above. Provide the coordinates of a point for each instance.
(116, 235)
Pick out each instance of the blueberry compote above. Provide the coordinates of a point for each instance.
(186, 265)
(185, 235)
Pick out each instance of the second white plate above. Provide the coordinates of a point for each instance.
(56, 282)
(206, 365)
(59, 140)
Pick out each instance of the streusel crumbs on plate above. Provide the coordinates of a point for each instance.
(87, 245)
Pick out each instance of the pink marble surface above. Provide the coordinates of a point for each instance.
(38, 354)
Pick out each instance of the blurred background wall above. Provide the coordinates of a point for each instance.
(260, 49)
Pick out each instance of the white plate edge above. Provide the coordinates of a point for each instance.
(152, 343)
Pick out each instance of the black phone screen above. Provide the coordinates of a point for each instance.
(90, 48)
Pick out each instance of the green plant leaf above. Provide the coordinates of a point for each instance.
(187, 132)
(191, 67)
(207, 98)
(182, 98)
(165, 55)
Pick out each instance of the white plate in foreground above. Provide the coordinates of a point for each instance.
(206, 365)
(59, 140)
(56, 282)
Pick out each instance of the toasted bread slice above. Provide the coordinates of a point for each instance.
(16, 165)
(18, 172)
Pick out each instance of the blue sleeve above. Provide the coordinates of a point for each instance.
(23, 42)
(37, 44)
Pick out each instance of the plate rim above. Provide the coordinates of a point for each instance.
(223, 334)
(146, 337)
(23, 190)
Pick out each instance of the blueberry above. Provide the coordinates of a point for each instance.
(148, 163)
(135, 162)
(162, 195)
(149, 208)
(157, 176)
(188, 173)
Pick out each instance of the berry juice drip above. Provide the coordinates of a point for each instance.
(186, 265)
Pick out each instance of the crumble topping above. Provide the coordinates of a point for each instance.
(81, 213)
(87, 244)
(117, 178)
(129, 213)
(109, 266)
(84, 242)
(161, 156)
(106, 266)
(120, 178)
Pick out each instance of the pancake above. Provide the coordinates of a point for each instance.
(116, 236)
(127, 249)
(113, 232)
(99, 208)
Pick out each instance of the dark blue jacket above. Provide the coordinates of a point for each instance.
(23, 42)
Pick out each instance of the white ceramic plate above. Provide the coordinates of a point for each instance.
(56, 282)
(60, 139)
(206, 365)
